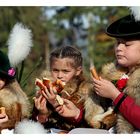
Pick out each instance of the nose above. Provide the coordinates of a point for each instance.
(120, 47)
(60, 75)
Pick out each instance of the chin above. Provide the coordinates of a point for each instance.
(122, 63)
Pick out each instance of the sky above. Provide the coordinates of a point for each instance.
(69, 2)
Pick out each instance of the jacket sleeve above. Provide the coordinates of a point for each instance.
(44, 117)
(129, 109)
(80, 117)
(34, 114)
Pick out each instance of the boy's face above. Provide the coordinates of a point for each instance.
(128, 52)
(61, 68)
(2, 83)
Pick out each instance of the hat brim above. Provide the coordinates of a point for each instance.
(5, 75)
(125, 27)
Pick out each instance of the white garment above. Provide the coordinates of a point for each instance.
(7, 131)
(88, 131)
(111, 131)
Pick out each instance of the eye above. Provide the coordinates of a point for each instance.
(54, 70)
(127, 44)
(118, 42)
(66, 71)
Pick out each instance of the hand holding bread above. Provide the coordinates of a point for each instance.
(94, 73)
(57, 85)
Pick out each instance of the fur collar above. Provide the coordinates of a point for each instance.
(111, 72)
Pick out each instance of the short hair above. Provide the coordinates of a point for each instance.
(67, 52)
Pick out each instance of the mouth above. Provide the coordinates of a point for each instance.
(119, 56)
(63, 81)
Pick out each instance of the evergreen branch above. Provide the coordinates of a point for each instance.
(23, 83)
(21, 72)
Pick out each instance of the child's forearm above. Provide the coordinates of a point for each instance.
(129, 109)
(79, 117)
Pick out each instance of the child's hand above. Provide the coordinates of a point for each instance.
(51, 96)
(3, 118)
(105, 88)
(68, 109)
(40, 104)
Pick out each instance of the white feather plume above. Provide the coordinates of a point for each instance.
(29, 127)
(19, 44)
(135, 11)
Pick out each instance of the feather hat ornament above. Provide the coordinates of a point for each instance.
(19, 44)
(135, 11)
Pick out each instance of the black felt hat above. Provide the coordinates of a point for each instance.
(126, 27)
(6, 71)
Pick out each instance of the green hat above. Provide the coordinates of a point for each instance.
(126, 27)
(6, 71)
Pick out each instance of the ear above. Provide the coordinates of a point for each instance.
(78, 71)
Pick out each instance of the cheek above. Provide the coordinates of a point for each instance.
(134, 55)
(54, 75)
(70, 76)
(2, 85)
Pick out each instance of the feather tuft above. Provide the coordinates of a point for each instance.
(19, 44)
(29, 127)
(135, 11)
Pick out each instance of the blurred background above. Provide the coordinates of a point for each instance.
(82, 27)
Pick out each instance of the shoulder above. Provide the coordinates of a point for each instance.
(134, 78)
(7, 97)
(86, 87)
(136, 73)
(111, 72)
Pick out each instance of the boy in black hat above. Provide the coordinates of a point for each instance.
(126, 93)
(12, 99)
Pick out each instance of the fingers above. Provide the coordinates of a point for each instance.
(49, 94)
(39, 100)
(66, 101)
(69, 104)
(95, 81)
(44, 94)
(52, 89)
(97, 85)
(2, 116)
(3, 119)
(60, 109)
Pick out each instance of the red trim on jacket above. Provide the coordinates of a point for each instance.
(129, 109)
(79, 119)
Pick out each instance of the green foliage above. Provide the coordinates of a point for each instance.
(90, 39)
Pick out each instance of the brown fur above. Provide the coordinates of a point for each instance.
(98, 114)
(80, 92)
(16, 104)
(76, 91)
(132, 89)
